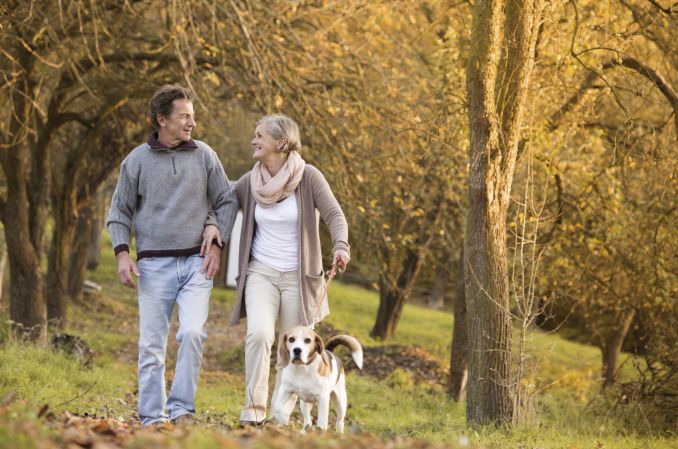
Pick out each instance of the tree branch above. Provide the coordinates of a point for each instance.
(626, 61)
(662, 84)
(668, 11)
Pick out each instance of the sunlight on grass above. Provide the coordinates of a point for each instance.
(354, 309)
(563, 376)
(41, 376)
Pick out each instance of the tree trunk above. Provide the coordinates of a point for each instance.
(439, 290)
(459, 356)
(94, 231)
(27, 306)
(390, 305)
(485, 271)
(611, 348)
(58, 265)
(393, 298)
(86, 231)
(86, 240)
(3, 264)
(489, 320)
(19, 209)
(503, 35)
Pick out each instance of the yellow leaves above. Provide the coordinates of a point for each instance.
(212, 78)
(418, 212)
(210, 50)
(337, 50)
(278, 101)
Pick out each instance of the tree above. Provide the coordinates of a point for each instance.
(608, 254)
(380, 127)
(67, 71)
(503, 40)
(79, 173)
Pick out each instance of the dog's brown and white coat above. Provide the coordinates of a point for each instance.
(312, 373)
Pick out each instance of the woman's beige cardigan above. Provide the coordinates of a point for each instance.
(313, 194)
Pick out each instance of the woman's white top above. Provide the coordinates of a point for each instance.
(276, 239)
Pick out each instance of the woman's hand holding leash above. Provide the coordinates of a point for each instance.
(341, 259)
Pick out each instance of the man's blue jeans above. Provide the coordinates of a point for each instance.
(164, 282)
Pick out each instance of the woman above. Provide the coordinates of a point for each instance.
(280, 250)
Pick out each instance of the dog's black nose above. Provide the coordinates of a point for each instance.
(297, 351)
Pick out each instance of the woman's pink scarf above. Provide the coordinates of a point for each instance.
(267, 189)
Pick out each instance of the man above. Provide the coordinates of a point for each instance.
(165, 190)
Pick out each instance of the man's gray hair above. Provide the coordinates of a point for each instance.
(280, 126)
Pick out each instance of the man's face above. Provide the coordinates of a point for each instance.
(177, 127)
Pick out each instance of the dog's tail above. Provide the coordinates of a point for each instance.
(351, 343)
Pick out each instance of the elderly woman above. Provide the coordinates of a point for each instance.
(280, 272)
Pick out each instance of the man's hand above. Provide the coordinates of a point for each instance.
(209, 234)
(341, 259)
(126, 267)
(211, 264)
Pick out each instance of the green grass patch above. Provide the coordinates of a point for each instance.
(562, 376)
(42, 376)
(354, 309)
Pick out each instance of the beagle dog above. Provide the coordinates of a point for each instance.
(311, 372)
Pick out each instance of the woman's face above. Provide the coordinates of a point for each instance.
(264, 144)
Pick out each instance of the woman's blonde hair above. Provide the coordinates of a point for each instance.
(280, 126)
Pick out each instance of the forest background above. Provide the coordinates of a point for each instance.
(511, 161)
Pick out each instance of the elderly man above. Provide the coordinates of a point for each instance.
(166, 188)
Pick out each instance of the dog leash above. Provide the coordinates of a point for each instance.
(333, 272)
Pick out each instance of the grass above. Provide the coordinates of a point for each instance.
(40, 376)
(572, 413)
(563, 376)
(354, 309)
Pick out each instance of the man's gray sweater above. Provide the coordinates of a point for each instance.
(167, 195)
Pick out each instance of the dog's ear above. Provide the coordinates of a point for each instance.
(319, 345)
(283, 352)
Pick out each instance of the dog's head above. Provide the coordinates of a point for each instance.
(299, 345)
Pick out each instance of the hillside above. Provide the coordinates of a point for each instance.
(398, 400)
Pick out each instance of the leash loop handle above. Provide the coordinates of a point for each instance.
(333, 272)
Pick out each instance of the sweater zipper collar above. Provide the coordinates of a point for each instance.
(173, 154)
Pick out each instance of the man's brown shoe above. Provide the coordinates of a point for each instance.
(184, 420)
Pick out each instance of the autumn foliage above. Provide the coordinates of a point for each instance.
(385, 96)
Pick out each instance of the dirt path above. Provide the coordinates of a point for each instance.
(223, 354)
